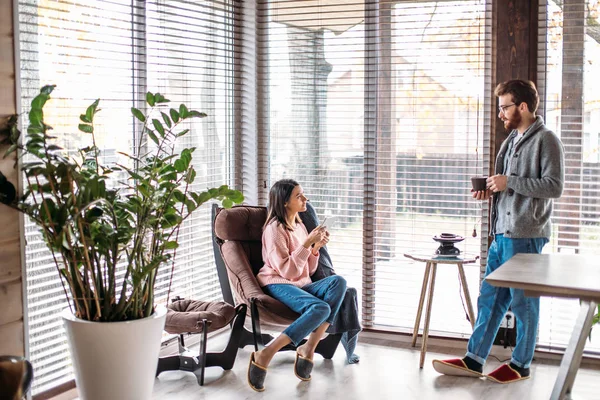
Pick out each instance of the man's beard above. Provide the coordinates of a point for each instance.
(512, 123)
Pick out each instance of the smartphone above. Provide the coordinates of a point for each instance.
(327, 222)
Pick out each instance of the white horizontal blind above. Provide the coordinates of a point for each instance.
(313, 84)
(379, 113)
(432, 130)
(117, 51)
(568, 67)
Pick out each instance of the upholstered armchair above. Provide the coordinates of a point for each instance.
(238, 250)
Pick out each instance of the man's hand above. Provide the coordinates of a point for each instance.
(497, 183)
(482, 194)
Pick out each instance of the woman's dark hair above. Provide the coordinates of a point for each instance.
(521, 92)
(280, 194)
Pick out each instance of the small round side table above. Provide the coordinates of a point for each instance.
(431, 262)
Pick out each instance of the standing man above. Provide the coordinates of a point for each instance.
(529, 174)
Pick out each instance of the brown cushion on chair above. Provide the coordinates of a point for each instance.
(241, 223)
(185, 316)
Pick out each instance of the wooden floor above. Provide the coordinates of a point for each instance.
(387, 370)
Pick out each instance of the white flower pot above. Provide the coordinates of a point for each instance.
(115, 360)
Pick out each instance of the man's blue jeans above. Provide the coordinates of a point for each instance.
(316, 303)
(493, 302)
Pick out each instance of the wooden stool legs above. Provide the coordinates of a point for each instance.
(428, 314)
(463, 279)
(421, 300)
(429, 279)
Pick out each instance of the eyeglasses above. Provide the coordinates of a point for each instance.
(502, 109)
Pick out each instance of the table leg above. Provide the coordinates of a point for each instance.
(463, 279)
(572, 358)
(428, 314)
(421, 301)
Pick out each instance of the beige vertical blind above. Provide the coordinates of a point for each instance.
(568, 67)
(379, 110)
(116, 51)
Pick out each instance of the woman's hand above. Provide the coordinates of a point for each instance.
(315, 236)
(323, 242)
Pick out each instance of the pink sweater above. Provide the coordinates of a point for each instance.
(286, 259)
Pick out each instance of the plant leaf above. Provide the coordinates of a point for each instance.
(144, 190)
(174, 115)
(166, 119)
(235, 196)
(134, 174)
(129, 156)
(191, 205)
(150, 99)
(179, 196)
(35, 130)
(86, 128)
(159, 127)
(11, 149)
(203, 198)
(91, 110)
(227, 203)
(197, 114)
(39, 101)
(159, 98)
(171, 245)
(183, 111)
(35, 117)
(190, 176)
(186, 156)
(179, 165)
(138, 114)
(152, 136)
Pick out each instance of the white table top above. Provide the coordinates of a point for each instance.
(560, 275)
(460, 259)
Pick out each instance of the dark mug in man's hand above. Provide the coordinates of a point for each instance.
(479, 183)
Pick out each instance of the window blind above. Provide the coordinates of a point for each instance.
(117, 51)
(568, 62)
(378, 109)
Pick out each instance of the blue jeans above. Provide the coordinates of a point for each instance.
(493, 302)
(316, 303)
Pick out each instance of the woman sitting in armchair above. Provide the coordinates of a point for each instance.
(291, 256)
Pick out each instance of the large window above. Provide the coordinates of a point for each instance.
(116, 51)
(380, 113)
(568, 67)
(380, 109)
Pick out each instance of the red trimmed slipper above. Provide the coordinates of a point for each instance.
(455, 367)
(505, 374)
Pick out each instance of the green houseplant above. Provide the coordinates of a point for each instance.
(91, 228)
(109, 228)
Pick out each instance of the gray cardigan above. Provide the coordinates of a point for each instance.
(537, 176)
